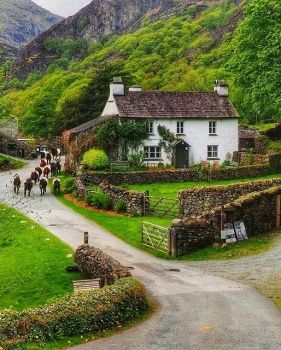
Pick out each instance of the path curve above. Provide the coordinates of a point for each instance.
(198, 311)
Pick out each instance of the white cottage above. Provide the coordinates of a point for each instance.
(205, 123)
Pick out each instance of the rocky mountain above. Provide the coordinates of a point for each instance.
(20, 22)
(98, 21)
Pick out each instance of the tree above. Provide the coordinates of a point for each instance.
(256, 59)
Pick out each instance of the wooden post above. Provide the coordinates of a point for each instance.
(278, 211)
(86, 238)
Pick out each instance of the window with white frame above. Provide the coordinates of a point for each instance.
(213, 128)
(213, 152)
(150, 126)
(152, 152)
(180, 127)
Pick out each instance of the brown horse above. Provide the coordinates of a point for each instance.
(39, 171)
(46, 171)
(34, 176)
(43, 183)
(43, 163)
(56, 152)
(16, 183)
(28, 184)
(48, 157)
(56, 185)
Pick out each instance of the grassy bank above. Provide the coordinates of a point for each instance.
(32, 263)
(9, 163)
(129, 230)
(170, 190)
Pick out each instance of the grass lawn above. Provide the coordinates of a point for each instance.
(32, 263)
(170, 190)
(275, 145)
(128, 229)
(7, 162)
(252, 246)
(264, 127)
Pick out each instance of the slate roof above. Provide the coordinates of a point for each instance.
(90, 125)
(158, 104)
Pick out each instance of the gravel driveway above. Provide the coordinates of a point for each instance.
(198, 311)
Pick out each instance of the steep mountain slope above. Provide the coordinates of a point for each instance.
(183, 51)
(22, 21)
(96, 22)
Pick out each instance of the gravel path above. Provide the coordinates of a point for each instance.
(198, 311)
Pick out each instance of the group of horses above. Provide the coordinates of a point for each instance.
(49, 164)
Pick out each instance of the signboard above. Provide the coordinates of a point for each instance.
(228, 233)
(240, 230)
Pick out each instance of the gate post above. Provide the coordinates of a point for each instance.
(172, 242)
(278, 211)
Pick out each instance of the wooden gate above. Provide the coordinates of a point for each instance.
(162, 207)
(156, 237)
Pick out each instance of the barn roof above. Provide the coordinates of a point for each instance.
(90, 125)
(158, 104)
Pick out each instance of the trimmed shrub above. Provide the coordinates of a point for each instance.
(77, 314)
(69, 186)
(120, 206)
(95, 159)
(99, 200)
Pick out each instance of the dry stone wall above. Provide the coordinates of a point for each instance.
(200, 199)
(257, 210)
(94, 263)
(136, 202)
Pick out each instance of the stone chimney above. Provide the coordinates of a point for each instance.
(135, 88)
(116, 88)
(221, 87)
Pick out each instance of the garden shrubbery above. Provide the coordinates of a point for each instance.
(81, 313)
(99, 200)
(120, 206)
(95, 159)
(69, 185)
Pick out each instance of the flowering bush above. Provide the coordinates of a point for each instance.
(77, 314)
(95, 159)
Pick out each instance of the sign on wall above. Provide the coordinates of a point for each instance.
(240, 230)
(228, 233)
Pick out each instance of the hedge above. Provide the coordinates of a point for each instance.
(81, 313)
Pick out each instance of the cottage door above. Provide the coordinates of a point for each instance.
(182, 155)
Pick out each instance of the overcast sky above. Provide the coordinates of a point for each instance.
(63, 7)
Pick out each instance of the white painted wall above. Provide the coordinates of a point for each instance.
(196, 134)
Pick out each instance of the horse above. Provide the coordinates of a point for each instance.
(46, 171)
(56, 152)
(48, 157)
(53, 166)
(28, 184)
(39, 171)
(34, 176)
(56, 185)
(58, 167)
(43, 163)
(43, 154)
(16, 183)
(43, 183)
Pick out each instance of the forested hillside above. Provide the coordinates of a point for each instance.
(185, 51)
